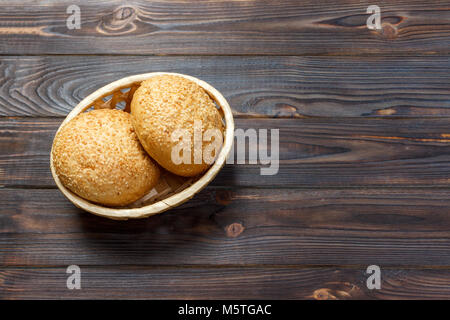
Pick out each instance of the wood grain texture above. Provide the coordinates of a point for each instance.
(314, 153)
(387, 227)
(364, 173)
(286, 27)
(388, 87)
(222, 283)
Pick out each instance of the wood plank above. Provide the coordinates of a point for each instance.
(313, 153)
(387, 227)
(285, 27)
(108, 282)
(255, 86)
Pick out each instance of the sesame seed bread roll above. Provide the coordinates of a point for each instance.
(163, 104)
(97, 155)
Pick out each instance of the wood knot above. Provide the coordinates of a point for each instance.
(124, 13)
(224, 197)
(235, 229)
(323, 294)
(386, 112)
(286, 110)
(389, 31)
(336, 291)
(119, 22)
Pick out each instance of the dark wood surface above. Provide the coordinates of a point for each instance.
(255, 86)
(243, 282)
(364, 173)
(212, 27)
(314, 153)
(234, 226)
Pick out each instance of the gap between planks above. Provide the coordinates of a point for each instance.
(232, 266)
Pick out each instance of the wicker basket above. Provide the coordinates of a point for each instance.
(171, 190)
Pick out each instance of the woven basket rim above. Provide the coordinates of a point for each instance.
(174, 200)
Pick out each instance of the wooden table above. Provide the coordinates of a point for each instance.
(364, 178)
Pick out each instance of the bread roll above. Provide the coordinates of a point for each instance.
(163, 104)
(97, 155)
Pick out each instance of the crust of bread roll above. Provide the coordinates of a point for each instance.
(163, 104)
(97, 155)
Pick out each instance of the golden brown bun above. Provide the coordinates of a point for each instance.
(164, 104)
(97, 155)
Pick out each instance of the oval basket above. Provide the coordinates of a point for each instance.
(171, 190)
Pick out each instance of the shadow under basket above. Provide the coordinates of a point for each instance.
(171, 190)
